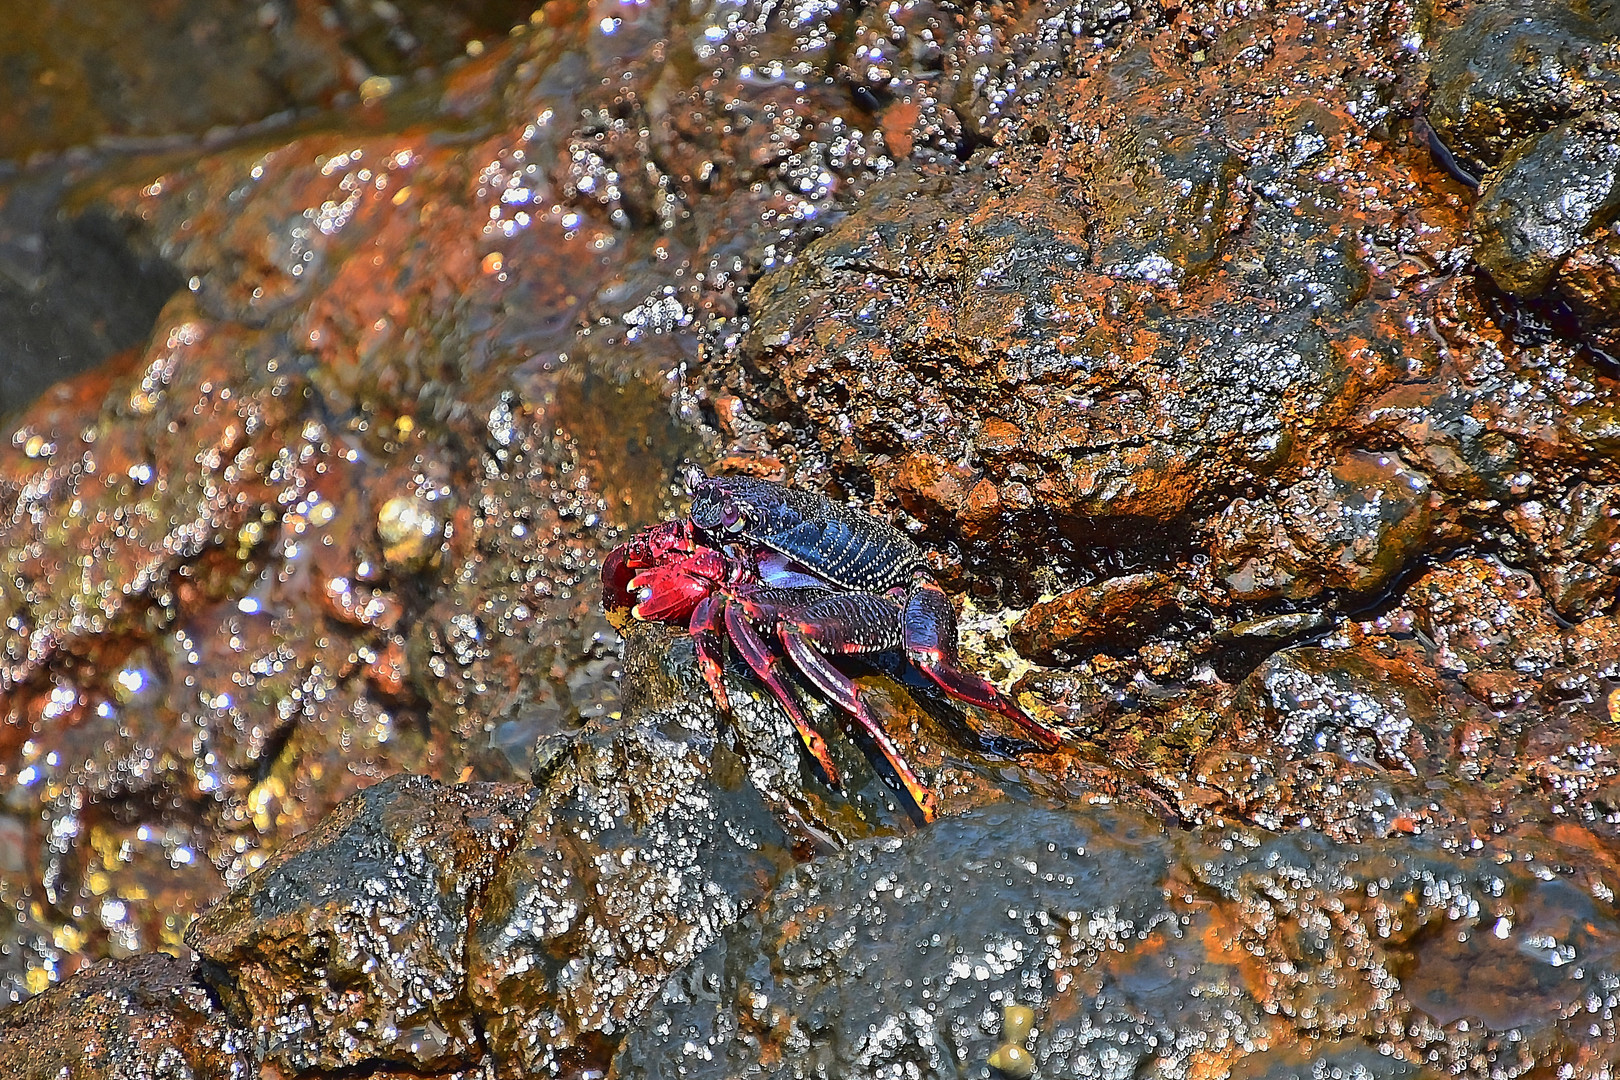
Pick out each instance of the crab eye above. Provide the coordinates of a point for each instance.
(731, 517)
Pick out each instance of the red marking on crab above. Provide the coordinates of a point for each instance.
(664, 569)
(789, 576)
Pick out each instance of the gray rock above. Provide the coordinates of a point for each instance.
(650, 838)
(1510, 70)
(350, 945)
(1142, 952)
(1308, 700)
(1547, 196)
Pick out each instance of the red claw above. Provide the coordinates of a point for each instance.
(660, 575)
(668, 594)
(823, 581)
(616, 575)
(671, 567)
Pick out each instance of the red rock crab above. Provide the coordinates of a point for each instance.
(769, 564)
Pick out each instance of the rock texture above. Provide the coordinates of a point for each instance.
(1246, 372)
(1143, 951)
(377, 901)
(149, 1018)
(523, 930)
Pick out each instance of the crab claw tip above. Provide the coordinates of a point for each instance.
(616, 577)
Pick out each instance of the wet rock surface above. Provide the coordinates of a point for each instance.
(1503, 73)
(1548, 196)
(647, 840)
(376, 900)
(1268, 462)
(1351, 528)
(148, 1016)
(1524, 94)
(1143, 950)
(525, 929)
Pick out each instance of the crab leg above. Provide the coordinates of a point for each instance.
(929, 630)
(759, 657)
(795, 634)
(704, 627)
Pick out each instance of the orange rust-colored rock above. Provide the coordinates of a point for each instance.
(1352, 528)
(1119, 609)
(930, 486)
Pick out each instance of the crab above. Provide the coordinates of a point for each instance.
(792, 578)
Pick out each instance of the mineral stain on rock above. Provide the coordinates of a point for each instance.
(1273, 464)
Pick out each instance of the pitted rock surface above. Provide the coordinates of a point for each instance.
(523, 930)
(1121, 313)
(1356, 704)
(1146, 950)
(1352, 528)
(1460, 607)
(1225, 341)
(1549, 194)
(1573, 546)
(1506, 72)
(350, 945)
(144, 1018)
(647, 840)
(1047, 405)
(652, 836)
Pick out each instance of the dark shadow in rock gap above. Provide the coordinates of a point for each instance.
(73, 290)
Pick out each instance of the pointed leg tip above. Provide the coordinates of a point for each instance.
(922, 797)
(1044, 737)
(818, 750)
